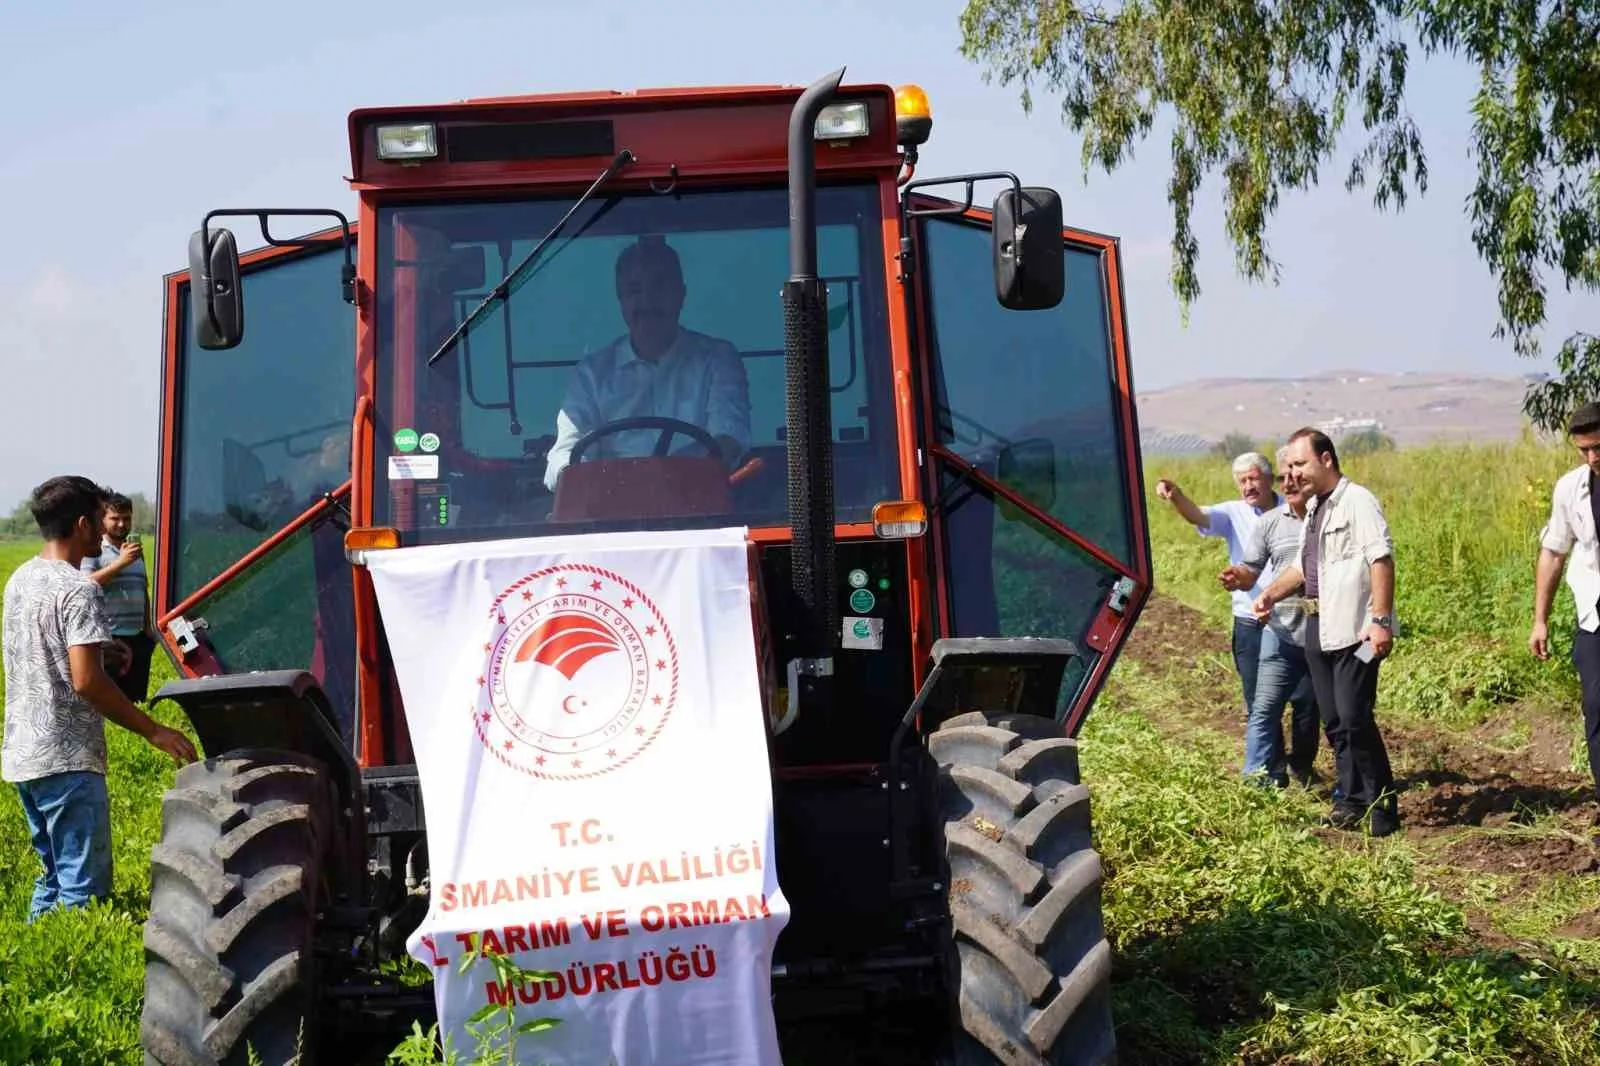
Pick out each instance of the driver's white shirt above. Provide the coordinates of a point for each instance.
(699, 380)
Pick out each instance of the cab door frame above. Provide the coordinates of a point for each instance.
(1114, 619)
(169, 605)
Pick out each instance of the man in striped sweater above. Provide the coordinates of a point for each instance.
(1282, 674)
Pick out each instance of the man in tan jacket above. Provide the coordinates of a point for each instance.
(1346, 567)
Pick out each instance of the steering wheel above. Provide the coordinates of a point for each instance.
(669, 428)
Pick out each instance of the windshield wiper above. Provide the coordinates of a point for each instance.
(503, 290)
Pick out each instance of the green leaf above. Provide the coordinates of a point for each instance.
(538, 1025)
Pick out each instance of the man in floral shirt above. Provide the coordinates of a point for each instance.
(58, 696)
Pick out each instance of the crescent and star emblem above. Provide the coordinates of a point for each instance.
(595, 651)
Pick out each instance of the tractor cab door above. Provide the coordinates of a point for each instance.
(1030, 450)
(249, 569)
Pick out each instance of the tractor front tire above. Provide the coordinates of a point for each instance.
(235, 885)
(1029, 965)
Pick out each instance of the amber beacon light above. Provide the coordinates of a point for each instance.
(913, 120)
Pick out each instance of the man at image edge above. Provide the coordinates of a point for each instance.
(1570, 532)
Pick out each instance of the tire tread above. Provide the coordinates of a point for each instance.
(234, 884)
(1032, 963)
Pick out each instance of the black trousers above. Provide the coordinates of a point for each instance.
(1347, 690)
(135, 684)
(1586, 657)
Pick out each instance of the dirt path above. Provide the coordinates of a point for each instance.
(1450, 781)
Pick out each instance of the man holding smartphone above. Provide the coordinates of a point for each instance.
(120, 571)
(1346, 566)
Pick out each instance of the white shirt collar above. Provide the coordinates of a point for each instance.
(627, 353)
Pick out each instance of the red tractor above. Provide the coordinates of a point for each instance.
(939, 474)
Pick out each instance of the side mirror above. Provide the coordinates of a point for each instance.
(1029, 468)
(1030, 270)
(216, 303)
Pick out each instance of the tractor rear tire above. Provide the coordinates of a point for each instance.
(1029, 964)
(235, 885)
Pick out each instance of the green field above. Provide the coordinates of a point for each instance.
(71, 986)
(1244, 932)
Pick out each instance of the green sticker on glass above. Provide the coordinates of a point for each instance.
(858, 579)
(429, 442)
(861, 629)
(862, 601)
(405, 440)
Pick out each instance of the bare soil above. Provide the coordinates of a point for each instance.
(1533, 855)
(1585, 926)
(1448, 781)
(1170, 636)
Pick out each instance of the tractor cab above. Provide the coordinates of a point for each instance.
(1008, 435)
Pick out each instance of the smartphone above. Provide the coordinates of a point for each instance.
(1365, 651)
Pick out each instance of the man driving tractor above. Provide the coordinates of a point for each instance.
(658, 368)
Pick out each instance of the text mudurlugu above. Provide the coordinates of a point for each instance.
(580, 979)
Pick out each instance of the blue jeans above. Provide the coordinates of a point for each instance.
(69, 817)
(1246, 654)
(1282, 676)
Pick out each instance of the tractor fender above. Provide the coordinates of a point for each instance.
(277, 710)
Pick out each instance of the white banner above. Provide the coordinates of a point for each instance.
(587, 718)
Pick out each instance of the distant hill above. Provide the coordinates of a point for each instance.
(1411, 408)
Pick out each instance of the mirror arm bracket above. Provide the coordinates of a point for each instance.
(908, 212)
(969, 180)
(347, 273)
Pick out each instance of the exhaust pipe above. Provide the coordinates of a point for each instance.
(810, 416)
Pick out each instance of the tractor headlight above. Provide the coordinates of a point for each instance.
(416, 140)
(841, 122)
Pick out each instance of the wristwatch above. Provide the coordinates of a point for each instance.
(1383, 620)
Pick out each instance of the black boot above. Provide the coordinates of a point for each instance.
(1342, 816)
(1385, 817)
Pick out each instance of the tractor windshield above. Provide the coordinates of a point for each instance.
(636, 375)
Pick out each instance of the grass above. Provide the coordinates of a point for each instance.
(72, 985)
(1247, 934)
(1465, 523)
(1244, 933)
(1242, 936)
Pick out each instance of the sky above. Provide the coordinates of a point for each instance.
(128, 122)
